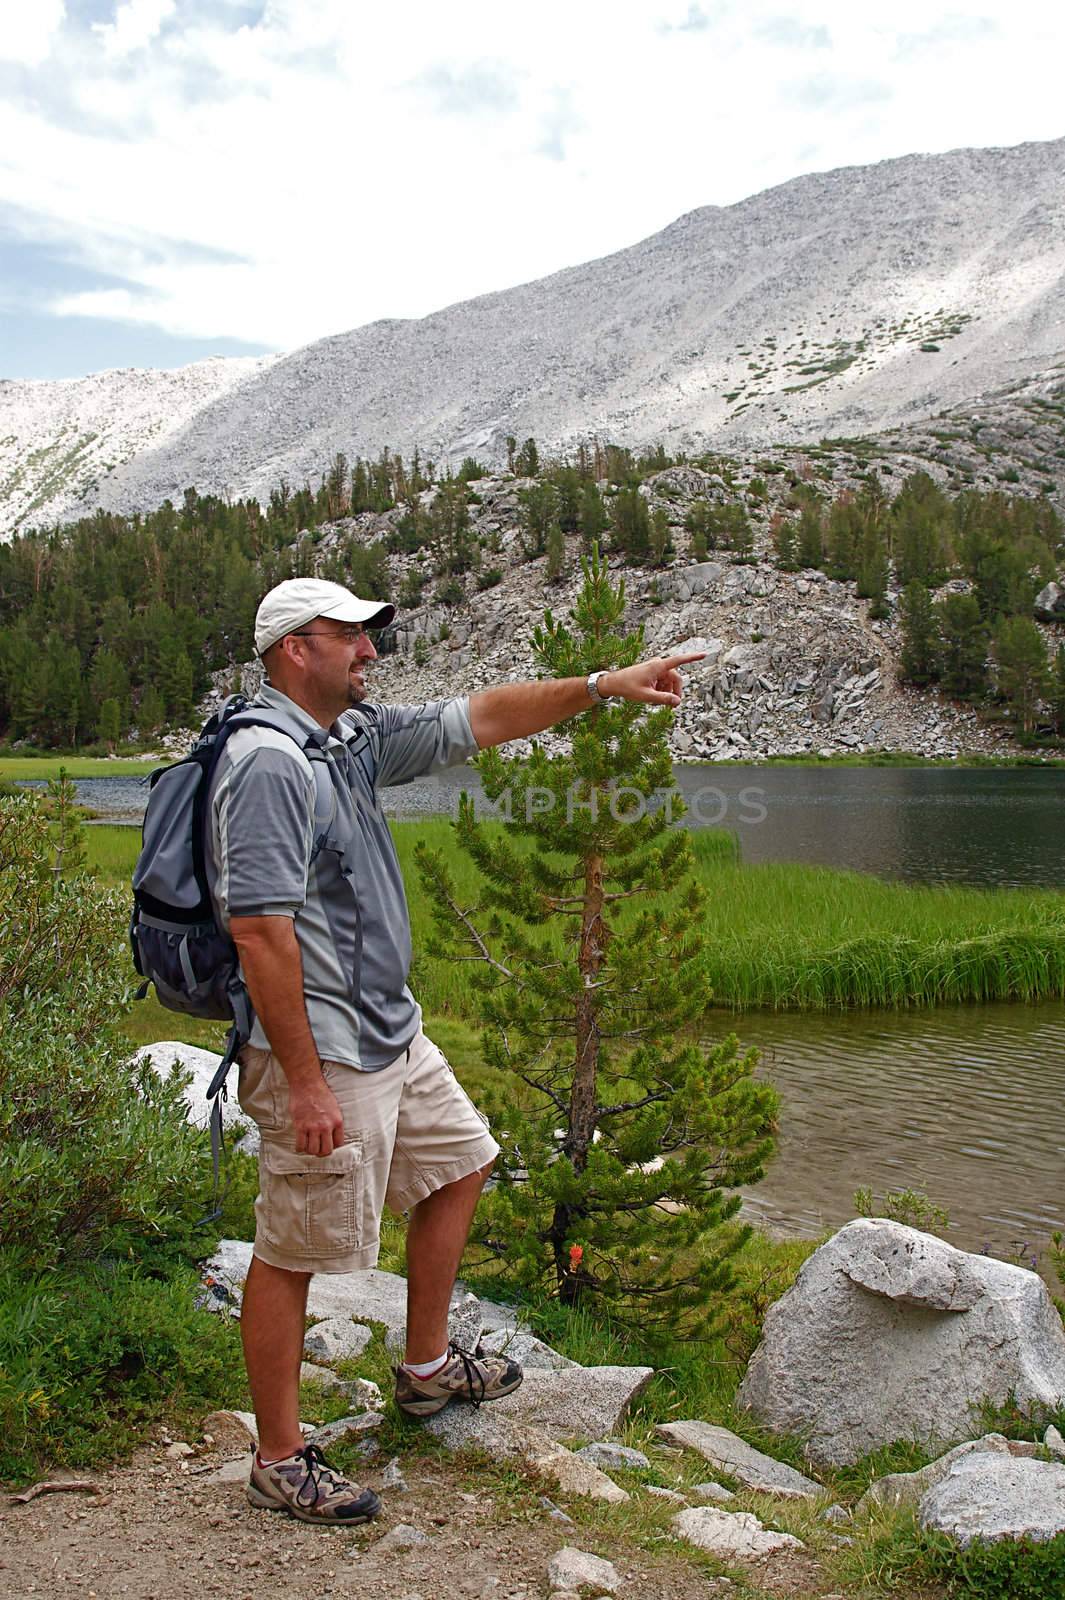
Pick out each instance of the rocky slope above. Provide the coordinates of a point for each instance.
(794, 665)
(839, 303)
(59, 439)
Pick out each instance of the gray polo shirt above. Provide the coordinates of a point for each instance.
(348, 904)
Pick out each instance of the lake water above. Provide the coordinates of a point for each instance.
(923, 824)
(964, 1103)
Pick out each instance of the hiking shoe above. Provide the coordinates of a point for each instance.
(307, 1487)
(467, 1375)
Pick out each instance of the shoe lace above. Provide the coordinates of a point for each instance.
(471, 1367)
(317, 1466)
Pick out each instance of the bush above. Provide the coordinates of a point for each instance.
(98, 1157)
(102, 1180)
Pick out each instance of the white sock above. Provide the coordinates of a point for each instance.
(425, 1369)
(274, 1461)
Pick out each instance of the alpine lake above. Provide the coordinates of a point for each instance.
(963, 1103)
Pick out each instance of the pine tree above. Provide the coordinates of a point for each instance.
(150, 713)
(919, 657)
(810, 537)
(631, 523)
(1022, 669)
(661, 544)
(556, 553)
(785, 542)
(537, 513)
(586, 931)
(594, 520)
(964, 638)
(700, 524)
(527, 460)
(1056, 692)
(109, 723)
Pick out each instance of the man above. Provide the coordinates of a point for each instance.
(356, 1107)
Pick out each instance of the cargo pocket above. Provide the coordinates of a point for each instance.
(312, 1205)
(260, 1088)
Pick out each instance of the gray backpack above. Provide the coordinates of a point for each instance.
(178, 946)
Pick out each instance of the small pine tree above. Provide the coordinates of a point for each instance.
(593, 519)
(964, 637)
(661, 544)
(1021, 661)
(699, 522)
(527, 460)
(109, 722)
(810, 538)
(620, 1132)
(1056, 691)
(919, 657)
(556, 553)
(785, 542)
(631, 522)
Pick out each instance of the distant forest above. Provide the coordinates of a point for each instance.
(111, 626)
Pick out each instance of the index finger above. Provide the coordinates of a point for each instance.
(680, 661)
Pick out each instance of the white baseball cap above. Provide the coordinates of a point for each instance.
(297, 601)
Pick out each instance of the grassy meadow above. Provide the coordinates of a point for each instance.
(14, 768)
(779, 937)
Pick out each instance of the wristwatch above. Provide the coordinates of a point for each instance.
(594, 694)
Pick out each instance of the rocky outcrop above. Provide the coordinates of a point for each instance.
(993, 1497)
(729, 1453)
(892, 1334)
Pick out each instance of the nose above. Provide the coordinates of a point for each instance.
(365, 647)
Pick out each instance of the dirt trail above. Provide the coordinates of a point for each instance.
(161, 1529)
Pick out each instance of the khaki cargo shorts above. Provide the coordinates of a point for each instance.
(408, 1130)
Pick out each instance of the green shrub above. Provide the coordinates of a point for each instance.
(102, 1180)
(1008, 1569)
(98, 1157)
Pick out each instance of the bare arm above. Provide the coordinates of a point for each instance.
(273, 971)
(516, 710)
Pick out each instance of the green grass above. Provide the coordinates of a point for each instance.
(779, 936)
(15, 767)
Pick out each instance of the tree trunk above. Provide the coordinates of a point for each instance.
(581, 1124)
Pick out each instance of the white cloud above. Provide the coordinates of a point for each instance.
(28, 29)
(136, 24)
(333, 164)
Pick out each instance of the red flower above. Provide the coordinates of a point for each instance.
(576, 1256)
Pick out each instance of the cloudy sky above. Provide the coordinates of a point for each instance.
(181, 178)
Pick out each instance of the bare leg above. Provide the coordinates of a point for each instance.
(436, 1237)
(272, 1319)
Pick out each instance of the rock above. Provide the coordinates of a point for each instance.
(345, 1428)
(578, 1569)
(853, 1358)
(613, 1457)
(906, 1488)
(180, 1451)
(713, 1491)
(664, 1494)
(231, 1431)
(336, 1339)
(464, 1323)
(527, 1350)
(370, 1296)
(581, 1400)
(364, 1393)
(741, 1460)
(392, 1478)
(404, 1536)
(556, 1513)
(1054, 1442)
(169, 1055)
(572, 1475)
(320, 1377)
(836, 1515)
(994, 1497)
(1049, 603)
(731, 1533)
(236, 1471)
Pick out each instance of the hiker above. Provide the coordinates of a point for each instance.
(356, 1107)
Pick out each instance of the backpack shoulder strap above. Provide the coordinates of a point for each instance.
(324, 794)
